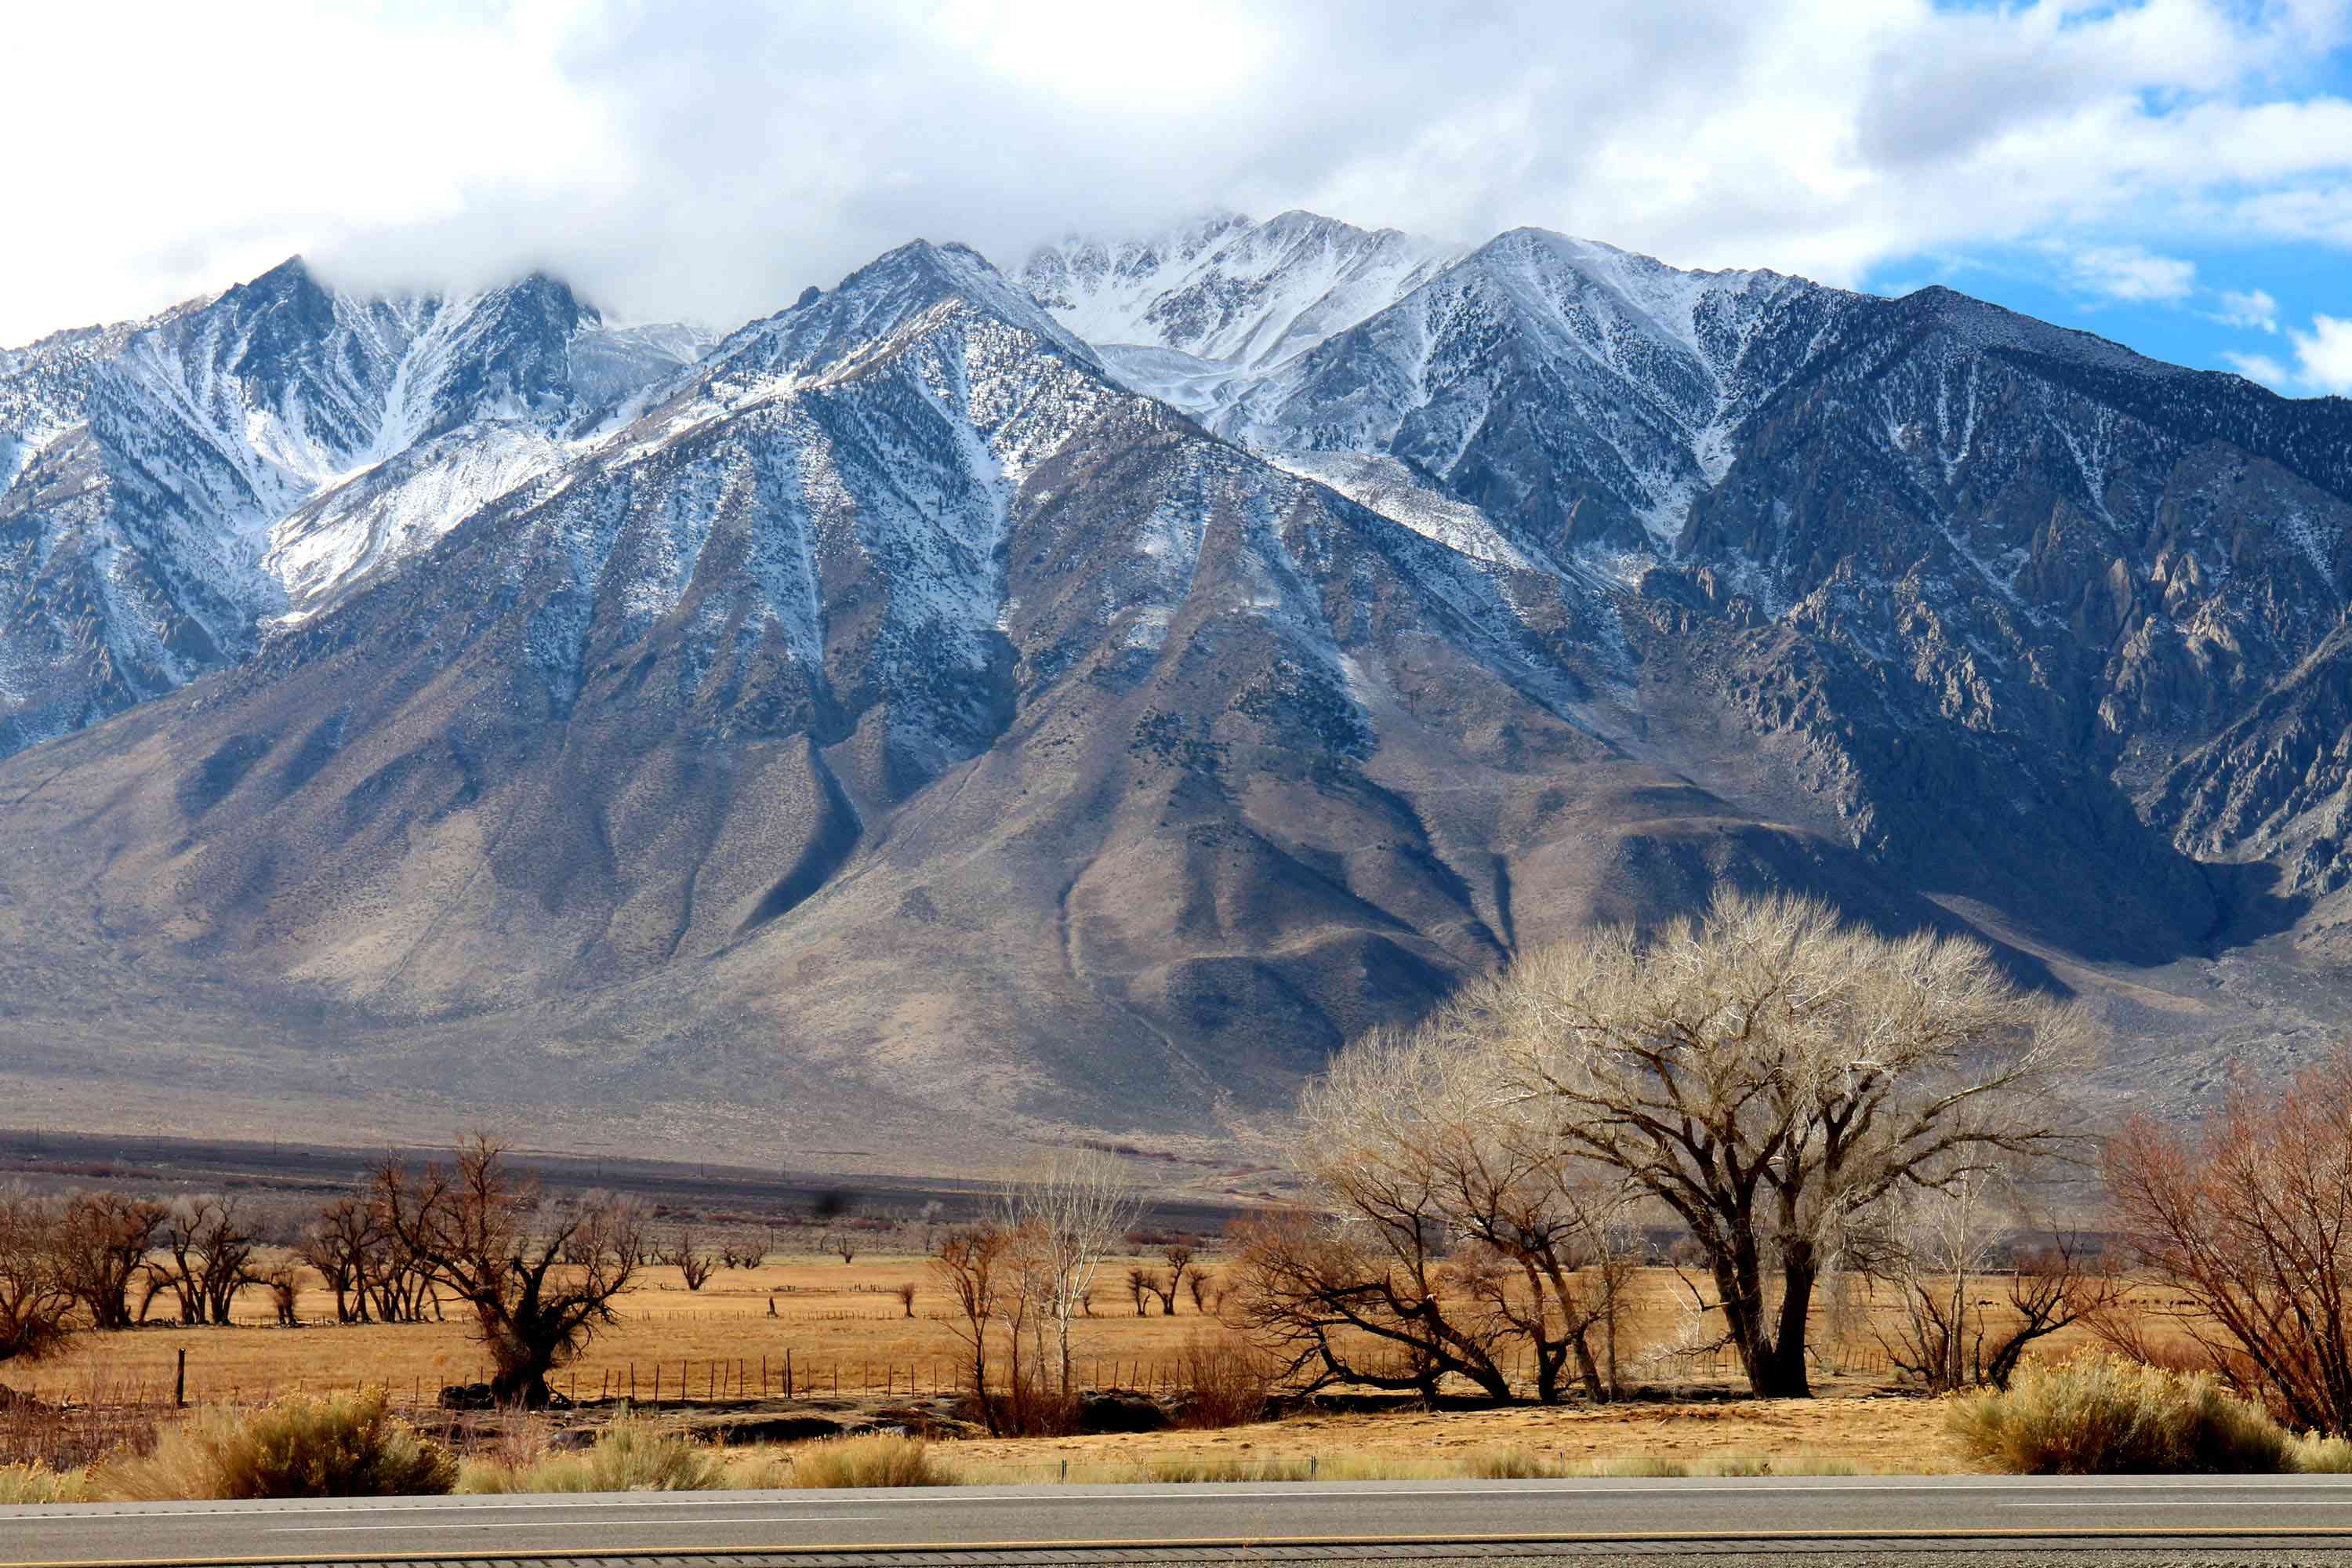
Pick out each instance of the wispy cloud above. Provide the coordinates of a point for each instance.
(2321, 363)
(2254, 309)
(2127, 272)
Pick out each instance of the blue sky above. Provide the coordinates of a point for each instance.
(2175, 175)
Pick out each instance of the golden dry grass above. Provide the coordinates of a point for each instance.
(841, 1325)
(837, 1321)
(1867, 1434)
(845, 1321)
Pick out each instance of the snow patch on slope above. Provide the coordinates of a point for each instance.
(1380, 483)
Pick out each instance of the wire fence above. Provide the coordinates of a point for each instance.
(791, 1374)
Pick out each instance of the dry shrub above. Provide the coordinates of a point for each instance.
(1509, 1465)
(2099, 1416)
(1189, 1468)
(2318, 1456)
(21, 1484)
(629, 1455)
(508, 1440)
(1028, 1406)
(340, 1446)
(48, 1437)
(1754, 1462)
(1227, 1381)
(880, 1461)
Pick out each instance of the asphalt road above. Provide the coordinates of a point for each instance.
(1583, 1518)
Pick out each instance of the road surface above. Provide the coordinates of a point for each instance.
(2001, 1518)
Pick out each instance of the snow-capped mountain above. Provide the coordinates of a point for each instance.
(1182, 316)
(901, 715)
(173, 486)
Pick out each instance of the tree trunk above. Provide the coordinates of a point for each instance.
(1778, 1370)
(1589, 1370)
(523, 1387)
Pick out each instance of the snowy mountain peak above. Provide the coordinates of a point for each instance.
(1980, 324)
(186, 480)
(1229, 290)
(861, 312)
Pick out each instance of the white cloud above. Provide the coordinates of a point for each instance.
(2129, 273)
(2323, 360)
(2263, 368)
(709, 158)
(2323, 356)
(2255, 310)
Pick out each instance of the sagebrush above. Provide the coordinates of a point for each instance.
(340, 1446)
(628, 1455)
(2101, 1416)
(881, 1460)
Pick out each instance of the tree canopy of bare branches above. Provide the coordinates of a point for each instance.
(1067, 1213)
(101, 1242)
(1935, 1249)
(1764, 1073)
(36, 1305)
(210, 1245)
(968, 1262)
(694, 1265)
(1347, 1299)
(2251, 1219)
(1471, 1227)
(540, 1276)
(1769, 1072)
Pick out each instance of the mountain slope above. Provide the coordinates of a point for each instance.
(896, 720)
(175, 484)
(897, 713)
(1189, 315)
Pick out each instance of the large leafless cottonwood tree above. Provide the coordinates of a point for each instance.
(101, 1241)
(1066, 1215)
(540, 1276)
(1768, 1072)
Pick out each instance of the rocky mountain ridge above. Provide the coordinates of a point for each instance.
(906, 708)
(175, 485)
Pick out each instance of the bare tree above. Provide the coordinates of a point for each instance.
(36, 1303)
(1936, 1250)
(1072, 1206)
(2251, 1221)
(843, 1241)
(1172, 1278)
(1410, 1137)
(209, 1249)
(495, 1244)
(1363, 1299)
(694, 1265)
(907, 1298)
(1203, 1285)
(341, 1245)
(968, 1262)
(1139, 1287)
(102, 1241)
(282, 1276)
(1768, 1074)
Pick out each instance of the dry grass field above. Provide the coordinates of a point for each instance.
(843, 1328)
(1866, 1432)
